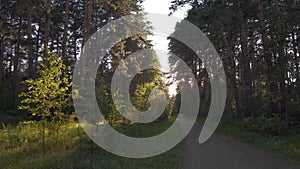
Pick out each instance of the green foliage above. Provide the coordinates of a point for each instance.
(49, 94)
(141, 95)
(140, 92)
(274, 125)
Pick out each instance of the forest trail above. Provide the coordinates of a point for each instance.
(224, 152)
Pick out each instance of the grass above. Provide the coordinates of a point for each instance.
(21, 148)
(288, 146)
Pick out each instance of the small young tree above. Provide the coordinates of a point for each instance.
(47, 95)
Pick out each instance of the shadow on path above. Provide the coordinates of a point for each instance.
(223, 152)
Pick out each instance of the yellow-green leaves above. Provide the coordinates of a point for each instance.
(47, 95)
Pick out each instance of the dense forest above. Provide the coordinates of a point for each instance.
(29, 28)
(258, 42)
(41, 41)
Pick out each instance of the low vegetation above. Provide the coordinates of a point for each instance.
(21, 147)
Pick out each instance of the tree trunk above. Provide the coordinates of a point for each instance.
(245, 65)
(268, 58)
(15, 79)
(65, 32)
(85, 6)
(88, 5)
(282, 63)
(1, 59)
(37, 53)
(75, 48)
(30, 43)
(296, 58)
(47, 28)
(233, 80)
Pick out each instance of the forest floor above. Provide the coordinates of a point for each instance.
(224, 152)
(21, 147)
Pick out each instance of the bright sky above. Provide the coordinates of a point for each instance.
(159, 42)
(162, 7)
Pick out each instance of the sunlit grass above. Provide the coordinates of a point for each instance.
(21, 147)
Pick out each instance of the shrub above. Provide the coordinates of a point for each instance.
(273, 125)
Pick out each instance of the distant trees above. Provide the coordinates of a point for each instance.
(258, 42)
(29, 27)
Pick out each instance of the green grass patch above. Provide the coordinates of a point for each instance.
(21, 147)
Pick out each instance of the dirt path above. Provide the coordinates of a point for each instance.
(223, 152)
